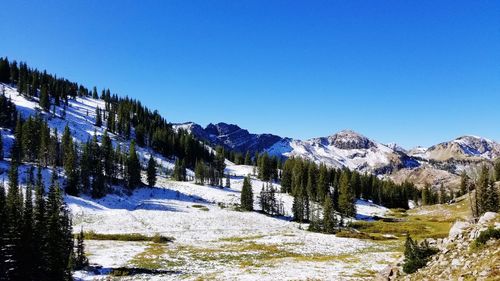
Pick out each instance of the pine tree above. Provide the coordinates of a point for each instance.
(329, 217)
(59, 239)
(464, 182)
(416, 256)
(81, 259)
(199, 172)
(13, 244)
(28, 246)
(98, 117)
(151, 171)
(228, 181)
(247, 195)
(248, 159)
(107, 153)
(94, 93)
(179, 171)
(44, 100)
(133, 168)
(323, 187)
(40, 229)
(347, 196)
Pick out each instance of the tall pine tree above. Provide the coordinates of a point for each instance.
(247, 195)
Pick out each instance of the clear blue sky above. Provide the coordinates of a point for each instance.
(413, 72)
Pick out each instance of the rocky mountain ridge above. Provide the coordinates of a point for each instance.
(441, 163)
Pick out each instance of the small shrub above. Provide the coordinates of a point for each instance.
(485, 236)
(416, 256)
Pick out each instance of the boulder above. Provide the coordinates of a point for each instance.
(487, 217)
(389, 273)
(457, 229)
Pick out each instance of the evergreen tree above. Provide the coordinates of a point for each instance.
(347, 196)
(94, 93)
(98, 117)
(28, 246)
(40, 230)
(13, 242)
(59, 239)
(44, 100)
(4, 70)
(329, 217)
(133, 168)
(179, 171)
(199, 172)
(81, 260)
(323, 186)
(108, 156)
(248, 159)
(151, 171)
(416, 256)
(464, 183)
(228, 181)
(247, 195)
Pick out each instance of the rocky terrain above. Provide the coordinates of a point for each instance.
(459, 257)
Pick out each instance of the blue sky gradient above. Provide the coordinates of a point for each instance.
(411, 72)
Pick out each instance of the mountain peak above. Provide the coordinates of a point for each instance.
(349, 139)
(222, 128)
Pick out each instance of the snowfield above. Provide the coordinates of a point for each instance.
(208, 231)
(213, 240)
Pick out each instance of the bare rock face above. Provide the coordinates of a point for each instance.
(348, 139)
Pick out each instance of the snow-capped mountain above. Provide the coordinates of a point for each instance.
(462, 148)
(354, 151)
(344, 149)
(230, 136)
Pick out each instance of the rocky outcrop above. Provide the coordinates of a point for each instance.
(458, 259)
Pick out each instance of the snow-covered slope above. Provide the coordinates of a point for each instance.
(207, 230)
(80, 116)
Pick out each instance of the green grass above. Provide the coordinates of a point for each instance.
(134, 237)
(362, 235)
(241, 239)
(201, 207)
(425, 222)
(249, 254)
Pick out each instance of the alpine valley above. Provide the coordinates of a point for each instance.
(96, 186)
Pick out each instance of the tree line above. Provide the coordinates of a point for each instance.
(309, 182)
